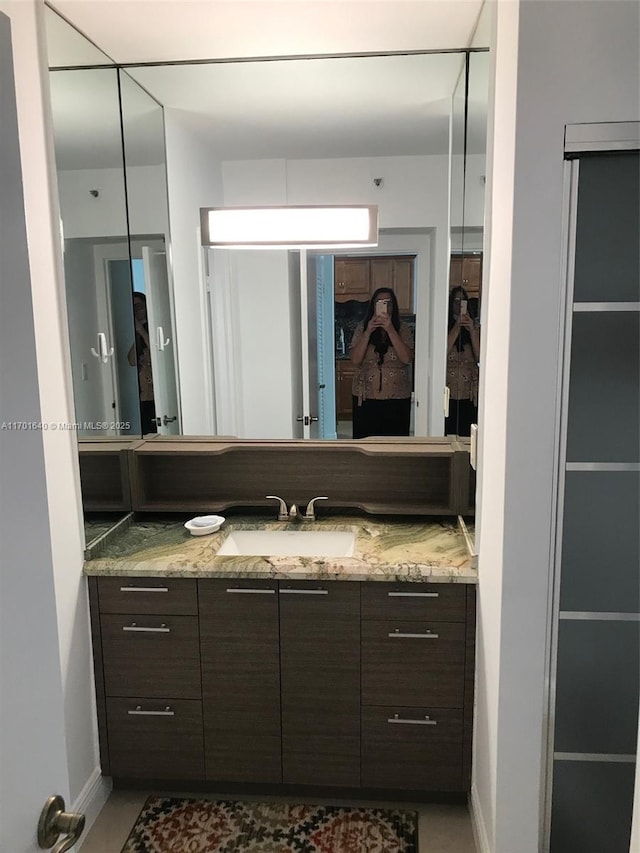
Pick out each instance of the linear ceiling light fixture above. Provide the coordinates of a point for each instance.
(290, 226)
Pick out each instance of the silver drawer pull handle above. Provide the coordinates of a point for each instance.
(413, 594)
(427, 636)
(133, 627)
(251, 591)
(304, 591)
(140, 713)
(404, 722)
(144, 589)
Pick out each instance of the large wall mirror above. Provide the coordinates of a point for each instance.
(172, 338)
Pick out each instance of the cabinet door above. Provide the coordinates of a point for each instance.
(466, 271)
(151, 739)
(320, 671)
(403, 284)
(345, 372)
(412, 748)
(152, 656)
(397, 275)
(351, 277)
(413, 663)
(381, 273)
(240, 679)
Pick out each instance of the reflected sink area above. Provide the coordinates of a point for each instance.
(289, 543)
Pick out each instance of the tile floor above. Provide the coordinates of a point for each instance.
(441, 828)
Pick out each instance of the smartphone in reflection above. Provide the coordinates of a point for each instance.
(463, 307)
(381, 307)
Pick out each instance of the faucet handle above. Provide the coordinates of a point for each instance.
(310, 513)
(282, 514)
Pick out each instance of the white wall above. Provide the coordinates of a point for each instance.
(414, 192)
(474, 202)
(106, 216)
(557, 62)
(194, 181)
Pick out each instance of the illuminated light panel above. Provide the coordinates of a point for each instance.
(290, 226)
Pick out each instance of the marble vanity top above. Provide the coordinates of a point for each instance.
(385, 550)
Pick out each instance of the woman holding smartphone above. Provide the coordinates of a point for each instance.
(463, 354)
(382, 347)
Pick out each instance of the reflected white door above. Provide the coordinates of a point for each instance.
(322, 359)
(317, 351)
(299, 362)
(125, 412)
(162, 341)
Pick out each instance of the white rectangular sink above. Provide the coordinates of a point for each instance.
(289, 543)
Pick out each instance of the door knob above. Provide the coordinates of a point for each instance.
(167, 420)
(54, 821)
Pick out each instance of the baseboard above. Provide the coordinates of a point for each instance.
(477, 824)
(91, 800)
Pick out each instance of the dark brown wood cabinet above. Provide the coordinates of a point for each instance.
(395, 653)
(239, 634)
(338, 684)
(417, 685)
(412, 748)
(147, 671)
(320, 667)
(151, 739)
(152, 656)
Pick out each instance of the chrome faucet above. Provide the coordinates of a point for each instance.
(293, 514)
(310, 514)
(284, 514)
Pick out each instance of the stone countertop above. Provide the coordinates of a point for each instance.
(385, 550)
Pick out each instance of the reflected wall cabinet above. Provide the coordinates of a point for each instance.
(596, 619)
(358, 278)
(465, 269)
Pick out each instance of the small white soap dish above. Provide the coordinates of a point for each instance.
(202, 525)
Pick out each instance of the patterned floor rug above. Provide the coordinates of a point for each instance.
(171, 825)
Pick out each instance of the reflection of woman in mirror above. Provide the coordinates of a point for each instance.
(382, 347)
(140, 355)
(463, 354)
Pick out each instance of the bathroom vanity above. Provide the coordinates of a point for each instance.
(352, 673)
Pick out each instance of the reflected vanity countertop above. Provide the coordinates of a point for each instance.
(100, 529)
(433, 550)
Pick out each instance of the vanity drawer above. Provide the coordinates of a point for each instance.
(413, 663)
(412, 748)
(432, 601)
(151, 739)
(154, 656)
(168, 596)
(300, 600)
